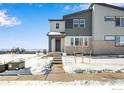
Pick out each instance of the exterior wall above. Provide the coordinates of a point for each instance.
(49, 43)
(107, 47)
(101, 28)
(87, 31)
(62, 44)
(77, 49)
(53, 45)
(53, 26)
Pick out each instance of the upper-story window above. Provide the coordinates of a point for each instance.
(57, 25)
(82, 23)
(119, 21)
(75, 23)
(78, 23)
(109, 18)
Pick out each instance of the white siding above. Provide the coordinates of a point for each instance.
(53, 44)
(53, 26)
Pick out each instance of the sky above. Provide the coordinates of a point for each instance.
(26, 25)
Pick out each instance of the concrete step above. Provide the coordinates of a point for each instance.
(57, 62)
(57, 59)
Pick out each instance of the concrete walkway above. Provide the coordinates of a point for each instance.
(58, 74)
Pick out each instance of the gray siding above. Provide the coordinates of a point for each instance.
(70, 31)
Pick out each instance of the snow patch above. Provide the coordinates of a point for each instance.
(92, 65)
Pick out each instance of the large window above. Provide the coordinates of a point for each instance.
(78, 23)
(57, 25)
(109, 18)
(82, 23)
(76, 41)
(119, 21)
(119, 40)
(83, 41)
(75, 23)
(109, 38)
(72, 41)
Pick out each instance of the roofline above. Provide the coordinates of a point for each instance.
(83, 11)
(55, 20)
(107, 5)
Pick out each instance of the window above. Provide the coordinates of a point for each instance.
(119, 21)
(119, 40)
(75, 23)
(109, 38)
(85, 41)
(81, 41)
(57, 25)
(76, 41)
(82, 23)
(72, 41)
(109, 18)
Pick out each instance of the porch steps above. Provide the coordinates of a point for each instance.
(57, 58)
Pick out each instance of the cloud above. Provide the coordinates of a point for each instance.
(67, 7)
(8, 21)
(80, 7)
(76, 7)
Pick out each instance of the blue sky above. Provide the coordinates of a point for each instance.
(26, 25)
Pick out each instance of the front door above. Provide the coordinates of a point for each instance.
(58, 44)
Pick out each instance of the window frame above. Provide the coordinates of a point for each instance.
(109, 17)
(84, 23)
(120, 22)
(76, 23)
(109, 36)
(119, 41)
(78, 41)
(57, 25)
(72, 41)
(84, 41)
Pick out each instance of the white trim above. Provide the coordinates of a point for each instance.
(82, 23)
(87, 37)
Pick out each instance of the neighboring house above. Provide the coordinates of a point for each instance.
(99, 29)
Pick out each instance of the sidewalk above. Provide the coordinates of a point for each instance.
(58, 74)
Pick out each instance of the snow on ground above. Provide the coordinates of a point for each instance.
(73, 64)
(72, 83)
(33, 64)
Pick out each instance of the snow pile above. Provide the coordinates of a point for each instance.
(92, 65)
(72, 83)
(35, 65)
(40, 66)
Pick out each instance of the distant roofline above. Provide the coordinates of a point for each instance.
(90, 8)
(107, 5)
(55, 20)
(86, 10)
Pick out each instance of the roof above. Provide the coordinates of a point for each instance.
(107, 5)
(55, 33)
(90, 8)
(83, 11)
(56, 20)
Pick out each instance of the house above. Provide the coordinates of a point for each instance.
(99, 29)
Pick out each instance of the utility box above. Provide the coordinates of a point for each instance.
(2, 68)
(16, 65)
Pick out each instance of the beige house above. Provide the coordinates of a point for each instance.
(99, 29)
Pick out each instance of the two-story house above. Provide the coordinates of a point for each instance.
(99, 29)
